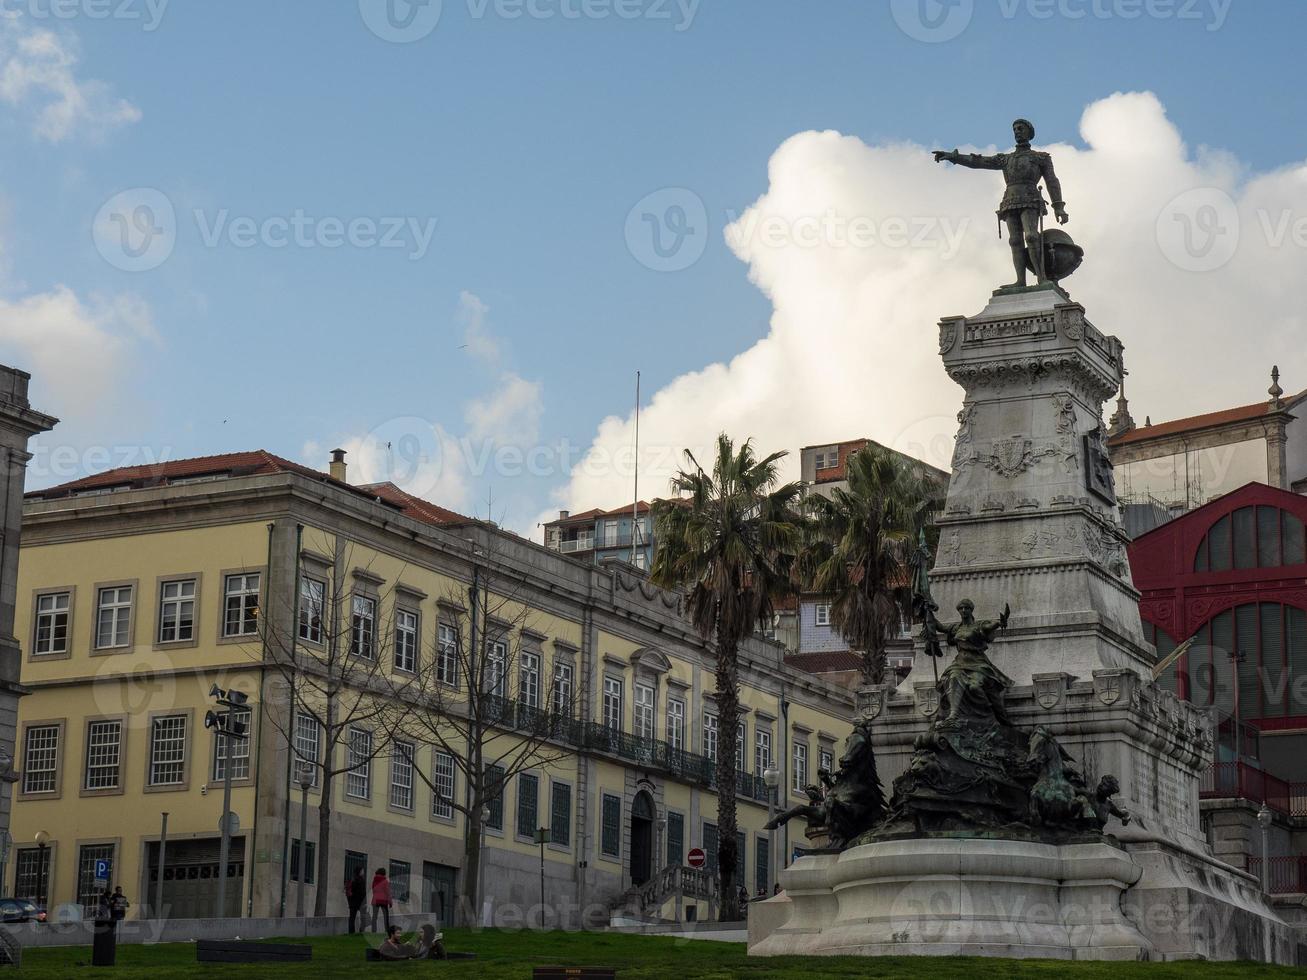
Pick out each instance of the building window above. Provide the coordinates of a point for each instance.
(406, 641)
(238, 747)
(825, 760)
(675, 839)
(308, 739)
(401, 873)
(710, 736)
(310, 865)
(1252, 537)
(529, 680)
(496, 667)
(494, 792)
(88, 892)
(800, 766)
(610, 534)
(447, 655)
(610, 834)
(363, 627)
(563, 689)
(761, 750)
(822, 613)
(32, 874)
(177, 611)
(241, 605)
(560, 815)
(741, 737)
(358, 780)
(442, 781)
(644, 712)
(613, 703)
(41, 759)
(710, 848)
(676, 723)
(762, 869)
(113, 617)
(52, 612)
(401, 776)
(313, 594)
(103, 754)
(168, 751)
(528, 799)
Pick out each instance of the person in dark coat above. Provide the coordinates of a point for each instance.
(356, 893)
(380, 898)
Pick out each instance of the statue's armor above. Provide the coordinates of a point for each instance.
(1022, 170)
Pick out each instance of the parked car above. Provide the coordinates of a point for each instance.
(20, 910)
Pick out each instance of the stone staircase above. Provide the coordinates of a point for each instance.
(645, 901)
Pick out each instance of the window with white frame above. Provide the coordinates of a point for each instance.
(761, 750)
(826, 759)
(528, 689)
(800, 766)
(241, 604)
(563, 673)
(358, 754)
(113, 617)
(401, 776)
(41, 759)
(613, 703)
(447, 655)
(88, 888)
(168, 750)
(610, 534)
(643, 710)
(710, 736)
(313, 595)
(308, 742)
(177, 611)
(238, 748)
(406, 640)
(496, 666)
(821, 614)
(52, 611)
(741, 737)
(104, 741)
(442, 781)
(676, 723)
(363, 627)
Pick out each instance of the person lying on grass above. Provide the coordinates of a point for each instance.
(426, 945)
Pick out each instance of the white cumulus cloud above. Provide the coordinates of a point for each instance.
(1191, 259)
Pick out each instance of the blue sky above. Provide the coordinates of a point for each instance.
(528, 141)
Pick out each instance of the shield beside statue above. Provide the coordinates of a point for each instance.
(1062, 256)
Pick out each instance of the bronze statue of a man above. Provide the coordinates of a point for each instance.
(1023, 205)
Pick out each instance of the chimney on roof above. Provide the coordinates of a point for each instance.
(338, 467)
(564, 515)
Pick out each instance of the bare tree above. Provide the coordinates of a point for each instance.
(482, 697)
(329, 653)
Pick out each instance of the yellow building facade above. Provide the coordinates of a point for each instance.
(140, 590)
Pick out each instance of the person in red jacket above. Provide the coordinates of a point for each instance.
(380, 898)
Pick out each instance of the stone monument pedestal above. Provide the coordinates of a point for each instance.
(962, 897)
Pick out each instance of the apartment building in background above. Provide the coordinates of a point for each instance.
(625, 534)
(141, 588)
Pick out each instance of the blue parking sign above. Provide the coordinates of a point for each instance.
(102, 870)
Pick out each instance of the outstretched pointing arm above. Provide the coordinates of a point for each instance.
(976, 161)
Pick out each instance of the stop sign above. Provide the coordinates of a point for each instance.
(696, 857)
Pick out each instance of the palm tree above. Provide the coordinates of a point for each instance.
(860, 544)
(729, 539)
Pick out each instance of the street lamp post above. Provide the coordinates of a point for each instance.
(42, 841)
(1264, 818)
(227, 728)
(772, 777)
(306, 783)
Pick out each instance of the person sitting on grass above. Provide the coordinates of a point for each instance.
(426, 945)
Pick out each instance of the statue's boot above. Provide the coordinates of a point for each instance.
(1035, 248)
(1019, 264)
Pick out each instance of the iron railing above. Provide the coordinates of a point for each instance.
(1238, 780)
(1285, 875)
(591, 736)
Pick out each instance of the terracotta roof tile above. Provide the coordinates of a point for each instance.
(1209, 420)
(416, 507)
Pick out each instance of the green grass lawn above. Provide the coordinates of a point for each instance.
(504, 955)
